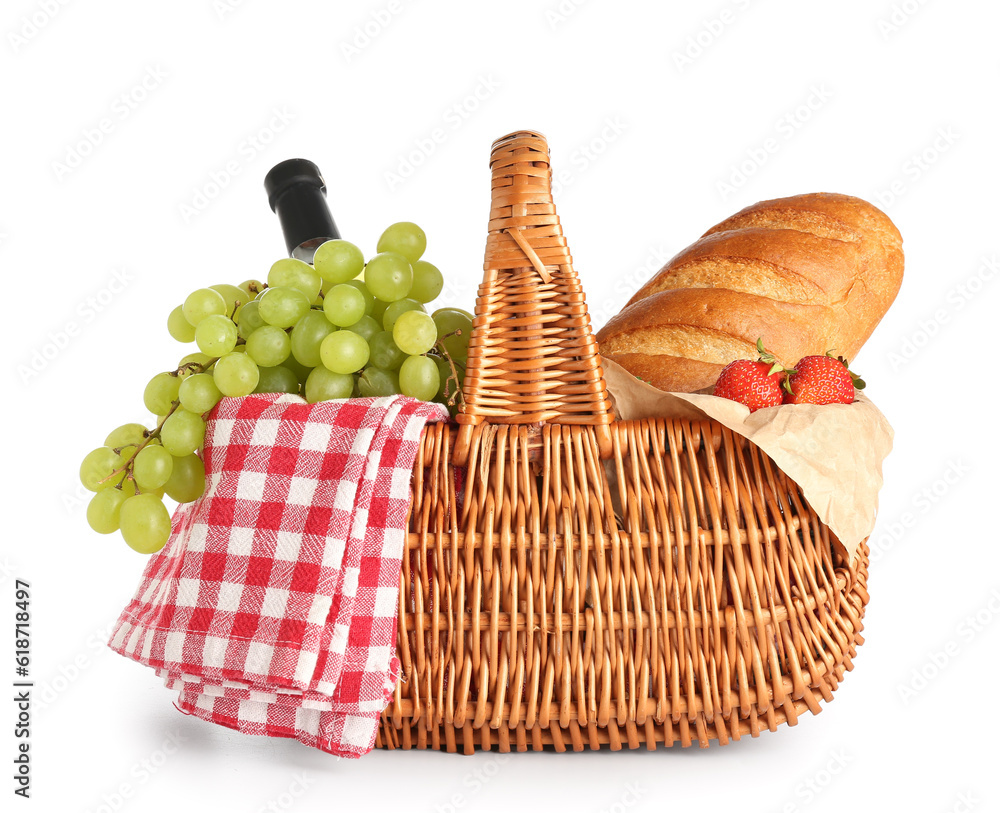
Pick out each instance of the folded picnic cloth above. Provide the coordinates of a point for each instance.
(272, 608)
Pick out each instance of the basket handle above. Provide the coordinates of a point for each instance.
(533, 358)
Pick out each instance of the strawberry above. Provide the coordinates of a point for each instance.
(755, 384)
(821, 380)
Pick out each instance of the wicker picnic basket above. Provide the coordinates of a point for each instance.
(574, 581)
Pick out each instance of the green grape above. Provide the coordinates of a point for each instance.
(397, 309)
(203, 303)
(414, 331)
(389, 276)
(277, 379)
(384, 353)
(292, 273)
(187, 479)
(179, 327)
(152, 467)
(301, 370)
(182, 433)
(449, 320)
(404, 238)
(97, 467)
(161, 392)
(365, 327)
(129, 434)
(325, 385)
(251, 287)
(104, 510)
(338, 261)
(344, 352)
(344, 305)
(419, 378)
(235, 374)
(283, 307)
(249, 319)
(378, 310)
(269, 346)
(235, 297)
(369, 297)
(427, 282)
(307, 335)
(145, 523)
(376, 382)
(216, 335)
(199, 393)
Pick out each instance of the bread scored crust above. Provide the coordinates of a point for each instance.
(806, 274)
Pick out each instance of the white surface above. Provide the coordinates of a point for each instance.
(580, 72)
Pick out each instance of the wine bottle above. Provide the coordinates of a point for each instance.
(296, 192)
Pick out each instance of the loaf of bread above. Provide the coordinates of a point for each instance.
(806, 274)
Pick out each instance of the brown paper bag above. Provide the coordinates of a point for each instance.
(833, 452)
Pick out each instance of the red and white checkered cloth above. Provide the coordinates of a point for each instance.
(272, 608)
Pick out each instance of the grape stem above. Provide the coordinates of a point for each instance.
(195, 366)
(457, 393)
(129, 465)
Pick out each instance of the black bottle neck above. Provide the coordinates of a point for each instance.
(297, 194)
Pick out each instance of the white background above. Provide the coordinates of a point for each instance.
(659, 116)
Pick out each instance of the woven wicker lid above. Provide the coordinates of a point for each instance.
(533, 358)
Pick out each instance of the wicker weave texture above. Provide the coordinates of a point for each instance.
(533, 358)
(694, 596)
(578, 583)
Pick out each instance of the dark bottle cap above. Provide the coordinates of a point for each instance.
(297, 194)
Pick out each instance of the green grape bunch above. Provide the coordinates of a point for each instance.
(340, 327)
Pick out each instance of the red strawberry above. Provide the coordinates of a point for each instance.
(756, 384)
(821, 380)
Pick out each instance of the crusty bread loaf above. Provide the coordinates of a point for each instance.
(806, 274)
